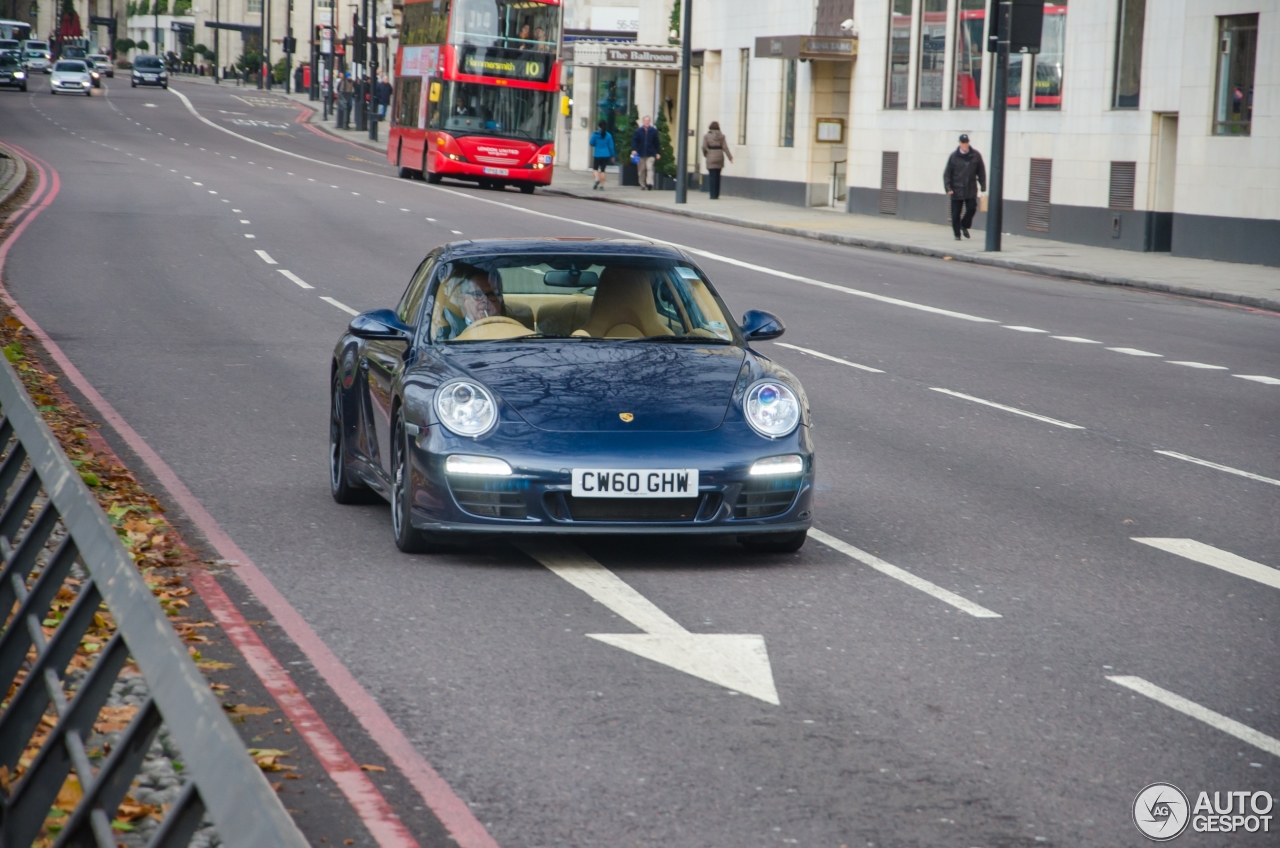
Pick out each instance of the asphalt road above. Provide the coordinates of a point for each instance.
(903, 720)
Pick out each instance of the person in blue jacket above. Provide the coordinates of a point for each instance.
(602, 153)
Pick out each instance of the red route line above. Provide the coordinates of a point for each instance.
(368, 803)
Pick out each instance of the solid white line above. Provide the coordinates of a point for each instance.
(1133, 351)
(628, 233)
(1075, 339)
(1226, 468)
(1012, 409)
(266, 257)
(1209, 555)
(340, 305)
(1023, 329)
(289, 275)
(1198, 365)
(826, 356)
(1215, 720)
(962, 604)
(1258, 378)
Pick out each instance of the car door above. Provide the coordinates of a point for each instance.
(384, 360)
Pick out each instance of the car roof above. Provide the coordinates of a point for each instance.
(559, 246)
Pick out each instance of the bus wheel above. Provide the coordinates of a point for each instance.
(406, 173)
(434, 179)
(526, 188)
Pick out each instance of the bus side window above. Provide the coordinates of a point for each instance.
(408, 93)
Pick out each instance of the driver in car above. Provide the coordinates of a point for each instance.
(474, 291)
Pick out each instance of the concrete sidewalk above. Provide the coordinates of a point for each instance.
(1249, 285)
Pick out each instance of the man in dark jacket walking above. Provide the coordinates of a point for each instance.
(646, 147)
(965, 171)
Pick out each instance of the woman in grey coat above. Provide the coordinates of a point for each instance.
(714, 151)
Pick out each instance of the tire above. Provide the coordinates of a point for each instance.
(775, 543)
(434, 179)
(527, 188)
(165, 86)
(88, 93)
(340, 485)
(52, 92)
(133, 85)
(409, 539)
(405, 173)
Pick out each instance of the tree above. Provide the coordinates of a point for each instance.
(667, 164)
(160, 7)
(144, 8)
(250, 62)
(143, 46)
(124, 45)
(622, 135)
(131, 8)
(280, 70)
(674, 36)
(181, 8)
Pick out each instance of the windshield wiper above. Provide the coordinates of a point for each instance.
(544, 336)
(681, 340)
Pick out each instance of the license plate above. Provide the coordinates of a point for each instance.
(635, 482)
(497, 172)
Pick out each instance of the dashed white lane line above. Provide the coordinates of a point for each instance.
(1202, 365)
(402, 209)
(1022, 329)
(249, 235)
(237, 211)
(1133, 351)
(211, 191)
(1046, 419)
(292, 277)
(1258, 378)
(829, 357)
(1075, 339)
(340, 305)
(1217, 558)
(1226, 468)
(243, 220)
(932, 589)
(1189, 708)
(199, 184)
(456, 232)
(432, 220)
(266, 257)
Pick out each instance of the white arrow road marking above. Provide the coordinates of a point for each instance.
(962, 604)
(1176, 702)
(735, 661)
(1209, 555)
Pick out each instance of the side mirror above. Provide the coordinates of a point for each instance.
(758, 326)
(379, 324)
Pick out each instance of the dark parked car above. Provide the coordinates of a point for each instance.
(149, 70)
(541, 385)
(11, 73)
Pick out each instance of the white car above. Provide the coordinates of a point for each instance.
(102, 64)
(36, 56)
(71, 76)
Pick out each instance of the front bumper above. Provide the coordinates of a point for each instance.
(144, 81)
(471, 171)
(78, 87)
(537, 497)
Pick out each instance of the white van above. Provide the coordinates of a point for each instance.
(36, 56)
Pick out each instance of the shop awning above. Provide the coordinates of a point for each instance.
(815, 47)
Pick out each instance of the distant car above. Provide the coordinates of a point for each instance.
(36, 56)
(71, 76)
(102, 64)
(11, 73)
(9, 44)
(548, 386)
(149, 70)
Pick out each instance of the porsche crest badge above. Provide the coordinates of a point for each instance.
(627, 417)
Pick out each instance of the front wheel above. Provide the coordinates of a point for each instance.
(527, 188)
(775, 543)
(133, 85)
(340, 485)
(434, 179)
(405, 173)
(409, 539)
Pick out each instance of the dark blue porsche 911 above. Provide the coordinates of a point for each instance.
(569, 386)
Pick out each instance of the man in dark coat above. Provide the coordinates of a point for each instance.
(964, 173)
(647, 148)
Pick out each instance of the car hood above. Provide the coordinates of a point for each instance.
(65, 76)
(584, 386)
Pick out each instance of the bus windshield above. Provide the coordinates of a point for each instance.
(513, 24)
(466, 108)
(15, 30)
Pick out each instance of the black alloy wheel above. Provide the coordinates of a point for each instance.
(340, 485)
(409, 539)
(775, 543)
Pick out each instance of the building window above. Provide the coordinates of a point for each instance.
(1047, 83)
(789, 71)
(933, 51)
(1129, 53)
(253, 7)
(970, 16)
(613, 104)
(744, 87)
(899, 55)
(1237, 49)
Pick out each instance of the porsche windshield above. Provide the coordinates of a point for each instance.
(583, 297)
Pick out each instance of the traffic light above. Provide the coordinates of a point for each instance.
(290, 44)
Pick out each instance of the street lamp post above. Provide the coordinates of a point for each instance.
(264, 78)
(311, 56)
(372, 50)
(682, 146)
(999, 28)
(217, 43)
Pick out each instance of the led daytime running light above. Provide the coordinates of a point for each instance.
(483, 466)
(777, 465)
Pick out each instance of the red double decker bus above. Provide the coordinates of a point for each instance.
(477, 91)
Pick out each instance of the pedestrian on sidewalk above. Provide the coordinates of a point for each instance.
(645, 145)
(346, 90)
(714, 150)
(384, 97)
(603, 153)
(965, 171)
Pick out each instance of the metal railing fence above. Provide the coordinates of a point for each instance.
(49, 523)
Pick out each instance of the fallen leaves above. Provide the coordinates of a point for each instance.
(112, 719)
(246, 710)
(268, 759)
(371, 768)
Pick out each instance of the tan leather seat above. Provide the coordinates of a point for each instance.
(623, 307)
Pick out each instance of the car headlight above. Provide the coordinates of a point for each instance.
(19, 75)
(776, 466)
(466, 408)
(772, 408)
